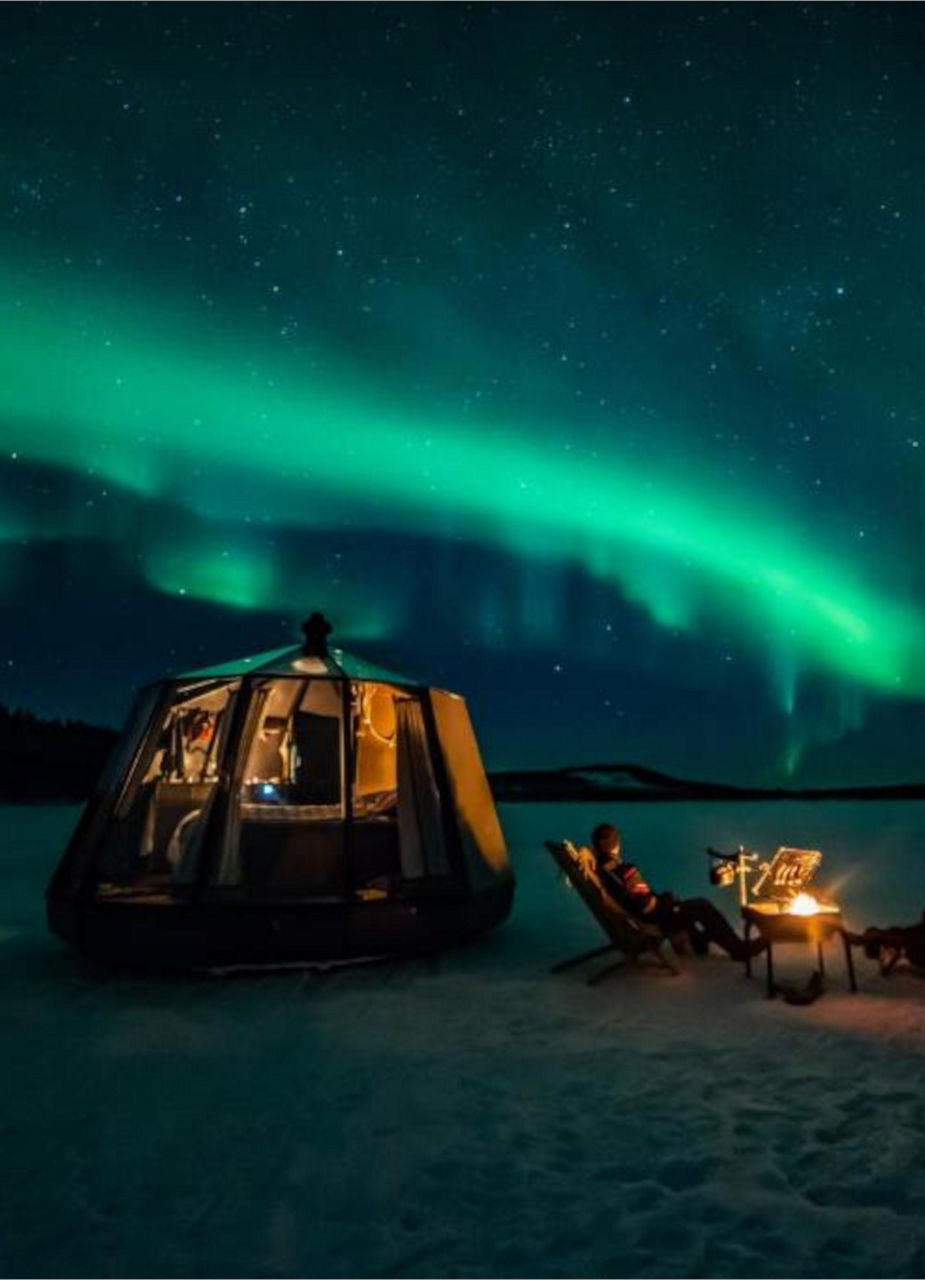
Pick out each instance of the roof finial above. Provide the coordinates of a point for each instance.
(316, 630)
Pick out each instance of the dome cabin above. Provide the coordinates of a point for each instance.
(294, 807)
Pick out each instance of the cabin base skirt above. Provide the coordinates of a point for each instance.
(203, 935)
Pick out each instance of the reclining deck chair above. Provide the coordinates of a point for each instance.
(631, 937)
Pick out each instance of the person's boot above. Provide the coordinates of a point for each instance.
(747, 950)
(700, 943)
(802, 995)
(872, 940)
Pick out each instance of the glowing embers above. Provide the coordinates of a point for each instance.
(804, 904)
(801, 907)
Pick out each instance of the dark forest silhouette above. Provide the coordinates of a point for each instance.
(43, 760)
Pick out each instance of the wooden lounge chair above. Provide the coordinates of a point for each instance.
(629, 936)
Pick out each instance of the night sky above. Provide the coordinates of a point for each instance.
(570, 355)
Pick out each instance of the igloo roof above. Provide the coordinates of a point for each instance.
(337, 664)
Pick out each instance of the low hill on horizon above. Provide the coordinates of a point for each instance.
(633, 782)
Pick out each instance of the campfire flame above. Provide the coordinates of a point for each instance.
(804, 904)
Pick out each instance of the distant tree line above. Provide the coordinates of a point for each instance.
(42, 760)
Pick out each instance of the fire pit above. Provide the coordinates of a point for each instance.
(782, 910)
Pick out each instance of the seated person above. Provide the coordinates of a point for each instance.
(896, 941)
(702, 920)
(198, 732)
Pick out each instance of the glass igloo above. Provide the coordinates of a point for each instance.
(297, 806)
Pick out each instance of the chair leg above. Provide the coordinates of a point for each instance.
(585, 955)
(748, 955)
(769, 956)
(849, 962)
(821, 958)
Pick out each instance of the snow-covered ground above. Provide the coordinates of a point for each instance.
(482, 1117)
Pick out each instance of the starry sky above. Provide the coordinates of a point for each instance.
(566, 354)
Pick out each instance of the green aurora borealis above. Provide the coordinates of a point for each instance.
(703, 407)
(148, 411)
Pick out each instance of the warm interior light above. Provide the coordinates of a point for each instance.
(803, 904)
